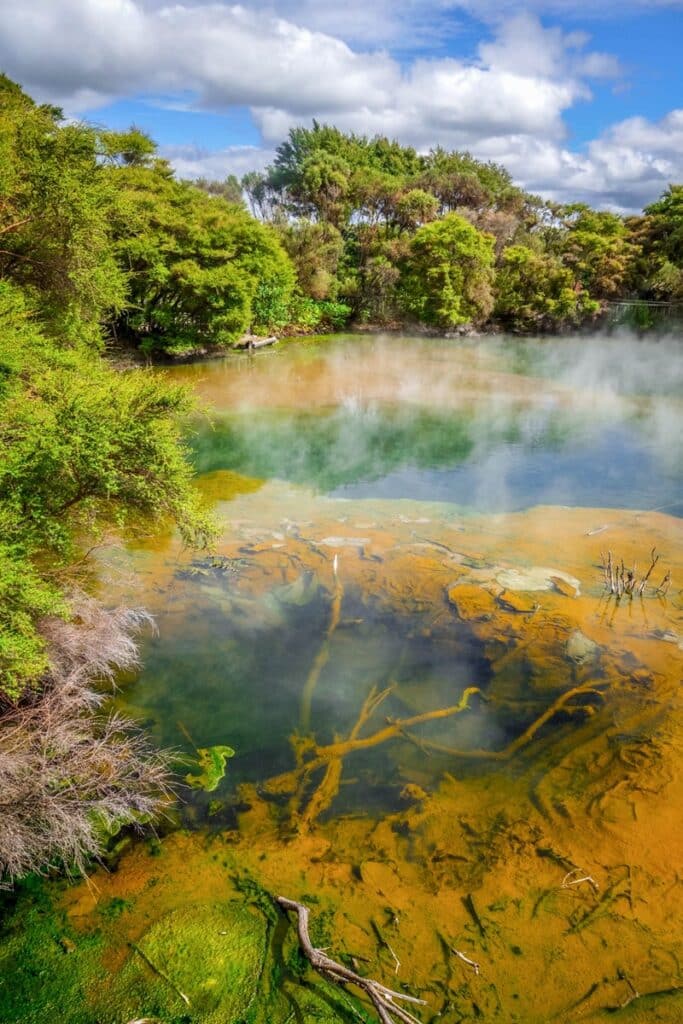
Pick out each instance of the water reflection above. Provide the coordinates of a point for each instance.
(497, 427)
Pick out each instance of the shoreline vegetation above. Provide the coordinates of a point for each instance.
(103, 250)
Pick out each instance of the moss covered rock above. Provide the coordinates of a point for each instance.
(200, 963)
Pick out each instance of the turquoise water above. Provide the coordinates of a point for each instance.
(496, 425)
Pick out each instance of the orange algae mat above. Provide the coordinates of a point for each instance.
(549, 854)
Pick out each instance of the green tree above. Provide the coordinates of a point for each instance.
(535, 292)
(56, 204)
(201, 271)
(659, 234)
(85, 450)
(598, 250)
(667, 225)
(414, 208)
(447, 277)
(229, 189)
(315, 250)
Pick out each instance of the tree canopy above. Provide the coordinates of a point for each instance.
(376, 198)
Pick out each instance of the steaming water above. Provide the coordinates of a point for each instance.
(489, 426)
(494, 425)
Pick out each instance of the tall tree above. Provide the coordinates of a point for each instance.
(201, 270)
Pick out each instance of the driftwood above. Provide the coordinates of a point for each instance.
(382, 998)
(251, 341)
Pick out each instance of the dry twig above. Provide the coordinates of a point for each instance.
(568, 880)
(69, 776)
(466, 960)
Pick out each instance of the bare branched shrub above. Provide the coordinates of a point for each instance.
(70, 775)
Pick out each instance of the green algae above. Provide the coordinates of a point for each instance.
(46, 966)
(235, 962)
(197, 963)
(211, 762)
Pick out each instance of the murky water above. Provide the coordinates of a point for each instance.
(450, 741)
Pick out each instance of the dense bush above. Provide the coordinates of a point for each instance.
(353, 213)
(535, 292)
(447, 277)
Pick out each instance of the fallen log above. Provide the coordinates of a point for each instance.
(252, 341)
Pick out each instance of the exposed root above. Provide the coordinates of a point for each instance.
(383, 999)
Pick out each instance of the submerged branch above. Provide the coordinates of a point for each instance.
(287, 782)
(329, 785)
(521, 740)
(323, 654)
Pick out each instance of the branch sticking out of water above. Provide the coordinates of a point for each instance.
(383, 999)
(620, 581)
(322, 657)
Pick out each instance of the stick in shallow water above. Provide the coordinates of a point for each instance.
(323, 654)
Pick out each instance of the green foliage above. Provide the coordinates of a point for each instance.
(415, 207)
(535, 292)
(667, 281)
(459, 180)
(56, 202)
(85, 449)
(315, 250)
(211, 765)
(667, 223)
(201, 270)
(351, 211)
(133, 148)
(313, 315)
(598, 251)
(229, 189)
(447, 277)
(24, 599)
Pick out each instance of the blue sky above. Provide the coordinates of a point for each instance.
(580, 100)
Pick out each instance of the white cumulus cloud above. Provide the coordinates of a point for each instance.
(284, 62)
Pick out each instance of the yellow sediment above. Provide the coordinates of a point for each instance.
(476, 859)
